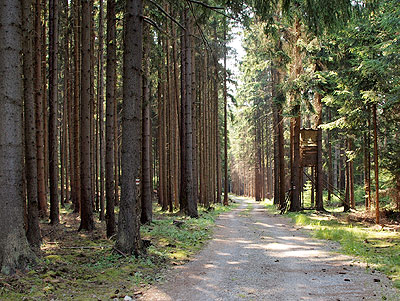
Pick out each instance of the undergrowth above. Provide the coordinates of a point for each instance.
(82, 266)
(380, 249)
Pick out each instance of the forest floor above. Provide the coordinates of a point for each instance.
(258, 255)
(84, 266)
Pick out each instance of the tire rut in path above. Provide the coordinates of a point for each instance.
(255, 255)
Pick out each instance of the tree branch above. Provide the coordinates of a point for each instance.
(167, 14)
(206, 5)
(214, 8)
(154, 24)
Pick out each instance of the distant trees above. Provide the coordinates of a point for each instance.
(338, 83)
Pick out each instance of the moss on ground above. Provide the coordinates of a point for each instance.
(82, 266)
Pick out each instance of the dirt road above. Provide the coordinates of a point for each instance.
(255, 255)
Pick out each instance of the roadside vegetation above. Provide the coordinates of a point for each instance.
(86, 266)
(377, 246)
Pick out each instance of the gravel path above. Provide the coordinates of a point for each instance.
(255, 255)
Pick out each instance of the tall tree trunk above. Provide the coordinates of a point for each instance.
(351, 175)
(295, 204)
(147, 210)
(281, 145)
(128, 237)
(161, 185)
(39, 111)
(225, 124)
(53, 112)
(15, 252)
(194, 126)
(100, 103)
(87, 222)
(110, 100)
(190, 204)
(319, 205)
(367, 174)
(176, 115)
(33, 231)
(45, 100)
(376, 163)
(76, 108)
(330, 167)
(346, 203)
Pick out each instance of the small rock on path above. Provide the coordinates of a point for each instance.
(255, 255)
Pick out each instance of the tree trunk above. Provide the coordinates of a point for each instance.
(76, 118)
(295, 204)
(190, 204)
(346, 203)
(39, 111)
(147, 210)
(100, 103)
(319, 205)
(128, 237)
(376, 163)
(110, 99)
(87, 222)
(225, 124)
(351, 176)
(33, 231)
(330, 167)
(53, 112)
(14, 248)
(367, 173)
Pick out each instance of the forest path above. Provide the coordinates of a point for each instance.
(255, 255)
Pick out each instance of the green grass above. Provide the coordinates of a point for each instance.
(378, 248)
(94, 271)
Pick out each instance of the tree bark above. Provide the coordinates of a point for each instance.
(295, 204)
(110, 99)
(147, 210)
(376, 163)
(319, 204)
(100, 103)
(87, 222)
(128, 236)
(33, 229)
(39, 111)
(15, 252)
(76, 108)
(53, 112)
(226, 203)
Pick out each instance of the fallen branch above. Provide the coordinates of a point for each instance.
(87, 247)
(120, 252)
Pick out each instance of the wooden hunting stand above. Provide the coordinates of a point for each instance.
(311, 156)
